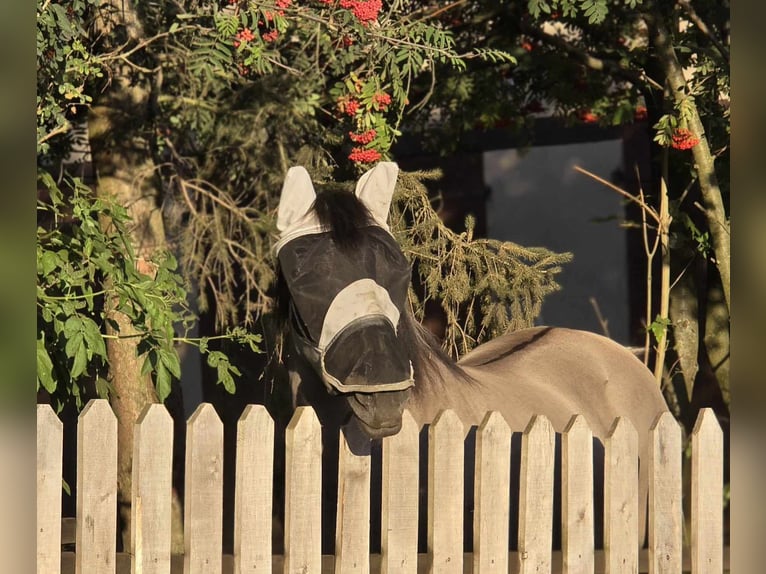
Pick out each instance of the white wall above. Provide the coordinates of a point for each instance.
(537, 199)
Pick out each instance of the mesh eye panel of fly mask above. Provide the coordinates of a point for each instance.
(345, 303)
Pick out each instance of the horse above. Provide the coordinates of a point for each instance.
(355, 352)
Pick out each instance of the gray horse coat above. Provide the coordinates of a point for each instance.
(355, 352)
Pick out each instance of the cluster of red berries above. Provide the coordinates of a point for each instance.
(381, 101)
(684, 139)
(243, 36)
(640, 114)
(270, 36)
(361, 155)
(362, 137)
(588, 117)
(348, 105)
(365, 11)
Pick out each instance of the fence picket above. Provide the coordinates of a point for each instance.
(492, 494)
(303, 494)
(203, 499)
(621, 498)
(352, 530)
(665, 510)
(96, 533)
(50, 436)
(152, 491)
(707, 494)
(536, 496)
(577, 544)
(399, 500)
(446, 440)
(253, 491)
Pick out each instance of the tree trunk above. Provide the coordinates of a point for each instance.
(712, 200)
(119, 127)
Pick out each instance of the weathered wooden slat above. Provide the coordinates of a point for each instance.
(492, 479)
(577, 497)
(303, 494)
(96, 534)
(253, 491)
(707, 495)
(399, 500)
(50, 445)
(665, 509)
(203, 496)
(352, 528)
(446, 440)
(152, 491)
(536, 496)
(621, 498)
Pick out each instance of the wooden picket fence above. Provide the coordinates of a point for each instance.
(149, 550)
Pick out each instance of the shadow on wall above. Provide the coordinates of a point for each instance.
(537, 199)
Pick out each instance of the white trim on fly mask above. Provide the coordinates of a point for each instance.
(359, 300)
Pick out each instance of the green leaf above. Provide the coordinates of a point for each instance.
(80, 362)
(659, 327)
(44, 367)
(171, 361)
(93, 337)
(163, 382)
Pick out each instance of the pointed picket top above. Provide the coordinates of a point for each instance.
(409, 427)
(204, 412)
(446, 419)
(255, 417)
(577, 512)
(154, 414)
(665, 491)
(622, 430)
(399, 499)
(493, 424)
(707, 492)
(97, 409)
(303, 421)
(539, 425)
(577, 425)
(706, 423)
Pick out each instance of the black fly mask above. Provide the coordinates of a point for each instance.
(347, 298)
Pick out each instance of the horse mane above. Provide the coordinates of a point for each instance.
(343, 215)
(428, 358)
(348, 221)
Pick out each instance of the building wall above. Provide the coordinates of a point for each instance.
(537, 199)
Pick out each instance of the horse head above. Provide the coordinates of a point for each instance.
(346, 280)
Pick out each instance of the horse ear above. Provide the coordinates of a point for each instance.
(297, 197)
(376, 188)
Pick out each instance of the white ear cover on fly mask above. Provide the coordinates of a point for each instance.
(376, 188)
(296, 198)
(294, 215)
